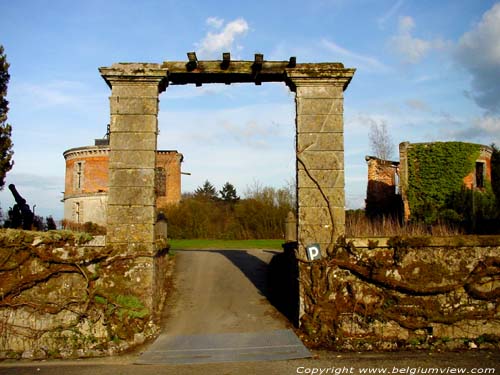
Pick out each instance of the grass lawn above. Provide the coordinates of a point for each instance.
(225, 244)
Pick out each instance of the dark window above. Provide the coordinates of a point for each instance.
(79, 175)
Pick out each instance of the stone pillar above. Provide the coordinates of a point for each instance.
(133, 138)
(320, 153)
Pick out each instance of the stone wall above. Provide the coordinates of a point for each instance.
(66, 295)
(404, 293)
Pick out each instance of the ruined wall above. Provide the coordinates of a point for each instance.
(381, 197)
(485, 157)
(171, 164)
(430, 173)
(63, 296)
(404, 293)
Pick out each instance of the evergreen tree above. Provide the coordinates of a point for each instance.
(206, 191)
(50, 223)
(228, 193)
(5, 129)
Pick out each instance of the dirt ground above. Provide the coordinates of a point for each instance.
(221, 291)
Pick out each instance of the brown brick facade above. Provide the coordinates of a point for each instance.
(170, 163)
(87, 181)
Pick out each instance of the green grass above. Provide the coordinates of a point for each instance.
(225, 244)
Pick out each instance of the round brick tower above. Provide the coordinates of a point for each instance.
(87, 177)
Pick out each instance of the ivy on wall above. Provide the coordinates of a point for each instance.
(435, 172)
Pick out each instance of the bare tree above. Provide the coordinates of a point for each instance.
(381, 143)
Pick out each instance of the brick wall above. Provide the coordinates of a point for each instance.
(87, 177)
(381, 198)
(170, 161)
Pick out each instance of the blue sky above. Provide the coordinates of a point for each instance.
(428, 70)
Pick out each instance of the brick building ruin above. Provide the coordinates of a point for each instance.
(87, 181)
(389, 181)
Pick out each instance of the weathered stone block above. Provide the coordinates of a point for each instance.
(314, 215)
(320, 141)
(320, 233)
(304, 91)
(321, 215)
(133, 141)
(133, 177)
(131, 233)
(313, 197)
(123, 105)
(131, 214)
(131, 195)
(136, 159)
(134, 123)
(320, 123)
(325, 178)
(320, 107)
(326, 160)
(129, 89)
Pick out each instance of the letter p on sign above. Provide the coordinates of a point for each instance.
(313, 252)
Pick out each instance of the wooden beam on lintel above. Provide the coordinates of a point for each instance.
(257, 67)
(241, 71)
(226, 60)
(192, 61)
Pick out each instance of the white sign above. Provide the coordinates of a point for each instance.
(313, 252)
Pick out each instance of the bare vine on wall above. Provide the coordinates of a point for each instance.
(367, 288)
(66, 286)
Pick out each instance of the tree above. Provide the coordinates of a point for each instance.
(5, 129)
(206, 191)
(228, 193)
(381, 143)
(51, 224)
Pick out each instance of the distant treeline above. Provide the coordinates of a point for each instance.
(211, 214)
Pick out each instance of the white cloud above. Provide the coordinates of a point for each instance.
(410, 48)
(223, 41)
(53, 94)
(418, 105)
(479, 52)
(215, 22)
(381, 21)
(482, 129)
(489, 124)
(352, 58)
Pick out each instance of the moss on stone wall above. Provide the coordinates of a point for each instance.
(405, 296)
(61, 297)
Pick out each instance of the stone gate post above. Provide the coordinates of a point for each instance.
(320, 153)
(134, 99)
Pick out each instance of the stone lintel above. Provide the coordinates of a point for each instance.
(318, 75)
(135, 73)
